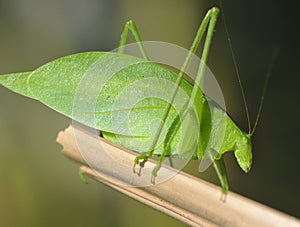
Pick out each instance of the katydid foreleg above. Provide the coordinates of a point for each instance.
(220, 169)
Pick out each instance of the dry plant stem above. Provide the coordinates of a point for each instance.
(186, 198)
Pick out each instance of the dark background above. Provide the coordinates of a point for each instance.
(40, 187)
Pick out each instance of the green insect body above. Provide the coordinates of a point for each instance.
(49, 84)
(56, 85)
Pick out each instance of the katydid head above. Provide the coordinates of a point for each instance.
(243, 151)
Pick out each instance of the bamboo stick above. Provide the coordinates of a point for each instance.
(184, 197)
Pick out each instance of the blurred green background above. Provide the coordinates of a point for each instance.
(40, 187)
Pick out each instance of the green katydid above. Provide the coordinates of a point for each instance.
(55, 84)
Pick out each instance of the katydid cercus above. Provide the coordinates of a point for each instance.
(55, 84)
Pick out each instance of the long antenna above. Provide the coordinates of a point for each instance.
(270, 67)
(236, 69)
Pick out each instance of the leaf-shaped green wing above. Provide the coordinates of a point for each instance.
(17, 82)
(123, 96)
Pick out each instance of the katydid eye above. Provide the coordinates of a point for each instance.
(245, 140)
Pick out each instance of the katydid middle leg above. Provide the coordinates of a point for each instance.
(173, 130)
